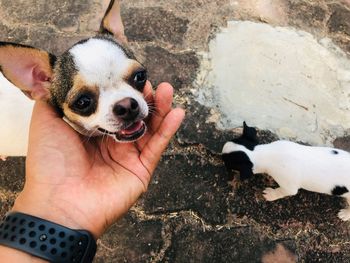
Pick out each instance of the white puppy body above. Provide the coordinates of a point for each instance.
(293, 166)
(15, 113)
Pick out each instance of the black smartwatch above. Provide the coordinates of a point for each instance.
(46, 240)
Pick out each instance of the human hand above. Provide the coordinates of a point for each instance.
(88, 183)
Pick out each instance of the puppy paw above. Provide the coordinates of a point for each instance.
(344, 214)
(271, 194)
(3, 158)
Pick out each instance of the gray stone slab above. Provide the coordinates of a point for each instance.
(196, 129)
(13, 34)
(178, 69)
(59, 13)
(342, 143)
(12, 174)
(7, 199)
(339, 21)
(131, 240)
(147, 24)
(188, 182)
(307, 12)
(329, 257)
(239, 245)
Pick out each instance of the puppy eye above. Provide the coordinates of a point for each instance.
(83, 102)
(140, 79)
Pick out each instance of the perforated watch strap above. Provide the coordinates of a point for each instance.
(46, 240)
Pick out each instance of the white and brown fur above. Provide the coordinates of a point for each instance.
(292, 165)
(96, 85)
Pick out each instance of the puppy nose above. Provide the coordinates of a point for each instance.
(126, 109)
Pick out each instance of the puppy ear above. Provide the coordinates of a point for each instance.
(249, 132)
(28, 68)
(238, 161)
(112, 22)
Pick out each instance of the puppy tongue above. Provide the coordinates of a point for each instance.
(133, 128)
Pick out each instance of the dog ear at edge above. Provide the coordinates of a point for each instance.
(112, 22)
(28, 68)
(249, 132)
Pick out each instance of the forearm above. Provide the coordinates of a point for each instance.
(13, 255)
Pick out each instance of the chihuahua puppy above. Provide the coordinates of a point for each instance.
(97, 85)
(292, 165)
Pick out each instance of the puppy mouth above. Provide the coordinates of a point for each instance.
(131, 133)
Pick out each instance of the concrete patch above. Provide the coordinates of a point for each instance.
(278, 79)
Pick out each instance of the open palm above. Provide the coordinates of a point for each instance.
(88, 183)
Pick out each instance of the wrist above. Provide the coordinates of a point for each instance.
(56, 211)
(44, 209)
(45, 239)
(8, 254)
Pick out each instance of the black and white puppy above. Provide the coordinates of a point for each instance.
(292, 165)
(96, 85)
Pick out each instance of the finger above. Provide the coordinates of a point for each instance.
(42, 114)
(42, 110)
(48, 131)
(148, 93)
(149, 97)
(45, 122)
(156, 145)
(163, 102)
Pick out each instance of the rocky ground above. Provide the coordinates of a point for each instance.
(194, 211)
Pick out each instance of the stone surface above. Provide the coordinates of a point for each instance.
(178, 69)
(339, 21)
(342, 143)
(140, 25)
(192, 244)
(188, 183)
(195, 210)
(310, 13)
(203, 130)
(12, 174)
(131, 240)
(32, 12)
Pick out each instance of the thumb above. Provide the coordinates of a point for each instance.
(44, 119)
(154, 148)
(43, 111)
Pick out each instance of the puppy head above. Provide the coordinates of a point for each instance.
(236, 159)
(248, 138)
(98, 87)
(97, 84)
(234, 153)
